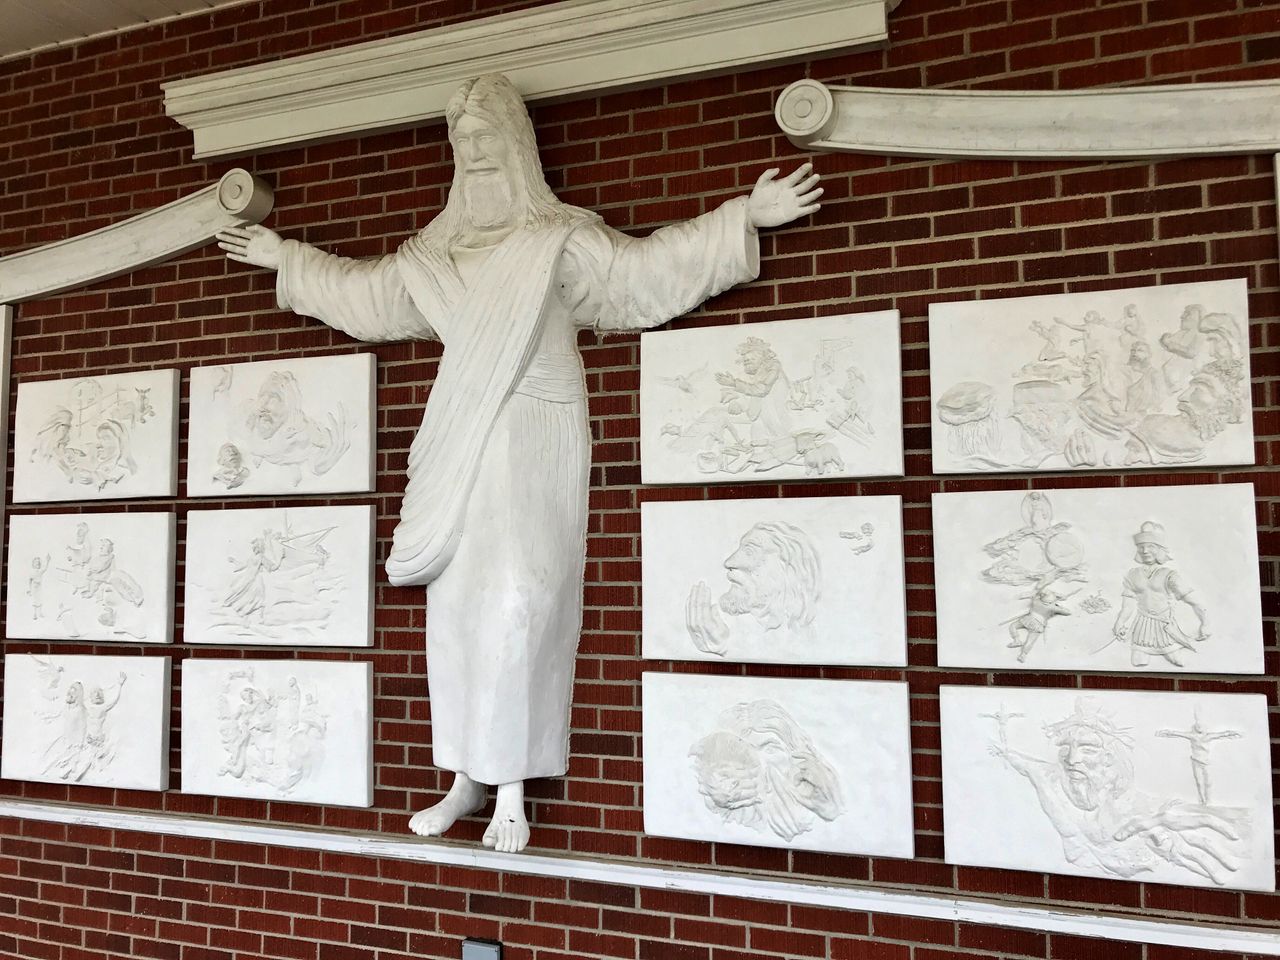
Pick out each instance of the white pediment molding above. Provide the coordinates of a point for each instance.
(1176, 120)
(557, 51)
(140, 241)
(902, 901)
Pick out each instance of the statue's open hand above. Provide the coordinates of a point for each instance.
(251, 244)
(709, 632)
(774, 202)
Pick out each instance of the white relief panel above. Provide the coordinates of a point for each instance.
(96, 438)
(296, 730)
(771, 762)
(1115, 579)
(91, 576)
(800, 580)
(783, 400)
(95, 721)
(1148, 377)
(1131, 785)
(299, 576)
(282, 427)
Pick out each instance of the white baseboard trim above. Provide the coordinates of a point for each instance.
(866, 898)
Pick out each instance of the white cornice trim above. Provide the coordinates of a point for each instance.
(560, 50)
(151, 237)
(1179, 120)
(882, 900)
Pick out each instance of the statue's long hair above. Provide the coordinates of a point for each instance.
(494, 99)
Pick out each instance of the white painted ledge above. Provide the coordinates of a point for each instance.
(1179, 120)
(151, 237)
(560, 50)
(883, 900)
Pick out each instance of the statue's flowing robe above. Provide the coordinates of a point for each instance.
(495, 514)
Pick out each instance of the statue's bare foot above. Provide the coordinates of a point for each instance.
(508, 831)
(464, 797)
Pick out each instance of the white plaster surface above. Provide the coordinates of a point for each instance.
(297, 730)
(782, 400)
(565, 50)
(91, 576)
(799, 764)
(1061, 569)
(96, 721)
(1105, 783)
(799, 580)
(1173, 120)
(152, 236)
(299, 576)
(282, 427)
(96, 438)
(1147, 377)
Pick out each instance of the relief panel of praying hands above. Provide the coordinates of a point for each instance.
(493, 520)
(800, 580)
(1164, 787)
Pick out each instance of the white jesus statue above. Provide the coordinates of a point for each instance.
(494, 517)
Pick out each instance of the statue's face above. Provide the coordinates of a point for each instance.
(271, 412)
(756, 577)
(1086, 763)
(484, 157)
(480, 148)
(728, 771)
(752, 362)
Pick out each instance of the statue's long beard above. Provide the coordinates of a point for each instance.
(1082, 793)
(737, 600)
(489, 201)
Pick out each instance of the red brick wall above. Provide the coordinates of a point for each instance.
(84, 141)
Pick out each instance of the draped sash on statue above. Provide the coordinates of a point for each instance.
(490, 335)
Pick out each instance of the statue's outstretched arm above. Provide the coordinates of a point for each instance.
(365, 299)
(651, 280)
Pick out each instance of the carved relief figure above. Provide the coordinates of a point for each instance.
(83, 741)
(1105, 391)
(775, 578)
(270, 736)
(761, 770)
(89, 438)
(274, 428)
(1199, 739)
(1093, 579)
(279, 585)
(494, 515)
(90, 586)
(1106, 821)
(1146, 619)
(861, 540)
(765, 418)
(1038, 554)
